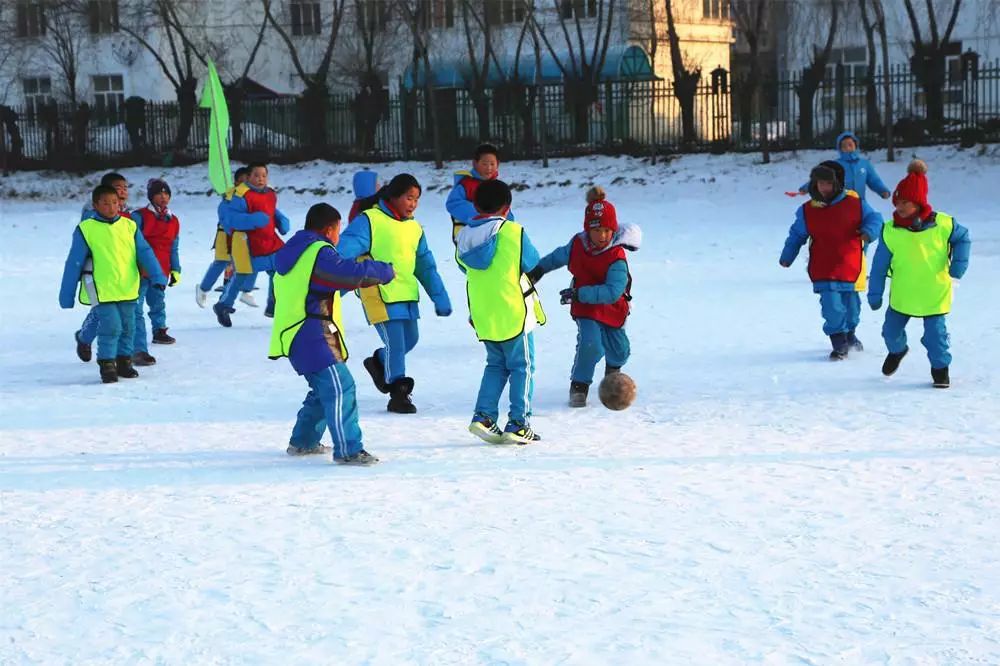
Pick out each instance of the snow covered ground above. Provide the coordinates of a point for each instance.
(757, 504)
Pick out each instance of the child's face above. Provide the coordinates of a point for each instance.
(160, 199)
(906, 209)
(121, 187)
(487, 166)
(406, 204)
(825, 188)
(332, 232)
(600, 236)
(240, 178)
(258, 178)
(848, 145)
(106, 206)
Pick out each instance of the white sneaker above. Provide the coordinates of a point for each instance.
(200, 296)
(247, 299)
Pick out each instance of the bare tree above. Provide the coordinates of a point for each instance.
(235, 91)
(417, 16)
(750, 21)
(813, 75)
(929, 53)
(63, 42)
(542, 110)
(873, 119)
(481, 56)
(879, 11)
(685, 79)
(316, 97)
(645, 18)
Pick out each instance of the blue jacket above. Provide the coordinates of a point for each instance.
(311, 350)
(871, 223)
(477, 245)
(960, 247)
(458, 204)
(858, 171)
(616, 280)
(79, 252)
(356, 240)
(236, 216)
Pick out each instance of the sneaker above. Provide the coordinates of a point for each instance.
(200, 296)
(109, 374)
(123, 365)
(892, 361)
(142, 358)
(319, 449)
(578, 394)
(360, 459)
(486, 429)
(161, 337)
(222, 314)
(246, 298)
(377, 372)
(519, 433)
(940, 377)
(83, 350)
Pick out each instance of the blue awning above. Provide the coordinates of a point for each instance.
(623, 63)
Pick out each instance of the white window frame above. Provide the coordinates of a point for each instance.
(109, 98)
(37, 93)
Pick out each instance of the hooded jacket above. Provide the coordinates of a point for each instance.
(859, 174)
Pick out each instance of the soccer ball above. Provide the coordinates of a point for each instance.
(617, 391)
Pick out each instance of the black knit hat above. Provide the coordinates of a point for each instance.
(829, 171)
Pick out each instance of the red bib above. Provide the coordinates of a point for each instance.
(160, 234)
(835, 253)
(592, 269)
(265, 240)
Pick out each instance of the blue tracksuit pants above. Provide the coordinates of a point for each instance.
(935, 340)
(217, 268)
(512, 361)
(88, 329)
(330, 404)
(841, 311)
(115, 329)
(156, 300)
(245, 282)
(399, 337)
(595, 341)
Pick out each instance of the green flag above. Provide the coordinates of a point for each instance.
(212, 98)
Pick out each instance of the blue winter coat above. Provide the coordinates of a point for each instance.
(236, 216)
(79, 252)
(356, 240)
(311, 351)
(960, 246)
(858, 171)
(477, 245)
(616, 280)
(459, 206)
(871, 223)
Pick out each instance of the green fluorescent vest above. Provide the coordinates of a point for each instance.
(112, 250)
(290, 291)
(921, 286)
(499, 296)
(396, 241)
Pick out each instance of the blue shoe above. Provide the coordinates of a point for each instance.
(519, 433)
(222, 314)
(486, 429)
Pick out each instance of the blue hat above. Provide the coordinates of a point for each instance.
(364, 183)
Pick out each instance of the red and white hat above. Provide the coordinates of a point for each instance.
(599, 212)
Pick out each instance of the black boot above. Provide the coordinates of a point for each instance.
(109, 375)
(123, 364)
(840, 346)
(940, 377)
(160, 337)
(853, 343)
(611, 369)
(578, 394)
(377, 371)
(892, 361)
(83, 351)
(399, 396)
(141, 358)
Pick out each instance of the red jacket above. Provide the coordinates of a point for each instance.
(160, 234)
(592, 269)
(264, 240)
(835, 253)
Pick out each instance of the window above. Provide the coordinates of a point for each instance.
(305, 18)
(855, 63)
(374, 14)
(437, 14)
(103, 16)
(504, 11)
(715, 9)
(578, 9)
(37, 93)
(109, 93)
(30, 19)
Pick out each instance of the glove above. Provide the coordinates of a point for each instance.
(161, 287)
(175, 278)
(566, 296)
(443, 312)
(535, 274)
(875, 303)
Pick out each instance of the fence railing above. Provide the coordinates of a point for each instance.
(636, 117)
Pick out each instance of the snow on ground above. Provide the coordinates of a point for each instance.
(757, 504)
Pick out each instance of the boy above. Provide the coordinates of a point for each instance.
(309, 331)
(106, 248)
(223, 257)
(460, 203)
(161, 229)
(839, 224)
(495, 254)
(924, 250)
(859, 174)
(253, 212)
(601, 292)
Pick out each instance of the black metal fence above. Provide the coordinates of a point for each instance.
(526, 121)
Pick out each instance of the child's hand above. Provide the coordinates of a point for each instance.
(443, 312)
(784, 264)
(874, 302)
(886, 195)
(161, 287)
(865, 238)
(567, 296)
(175, 278)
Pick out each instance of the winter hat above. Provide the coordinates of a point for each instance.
(913, 188)
(599, 212)
(155, 186)
(364, 183)
(829, 171)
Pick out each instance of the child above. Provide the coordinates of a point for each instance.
(839, 223)
(106, 248)
(365, 187)
(223, 257)
(161, 229)
(495, 254)
(308, 329)
(88, 329)
(253, 212)
(387, 232)
(601, 291)
(460, 204)
(924, 250)
(859, 174)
